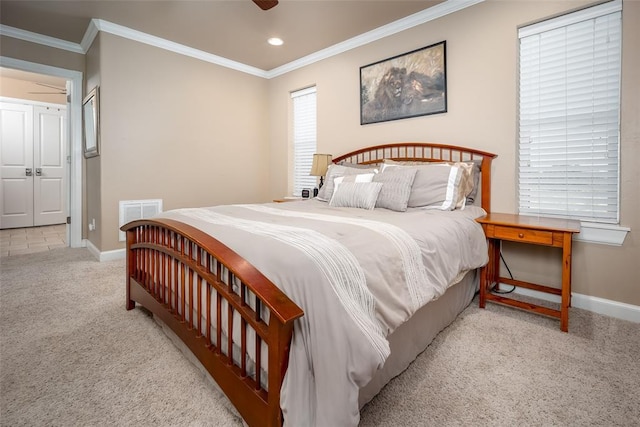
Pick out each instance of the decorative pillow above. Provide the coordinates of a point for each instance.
(436, 185)
(466, 186)
(361, 177)
(471, 176)
(396, 190)
(361, 195)
(333, 172)
(475, 179)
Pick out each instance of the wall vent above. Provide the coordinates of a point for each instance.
(130, 210)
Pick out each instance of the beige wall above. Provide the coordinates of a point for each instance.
(40, 54)
(91, 173)
(196, 134)
(174, 128)
(482, 107)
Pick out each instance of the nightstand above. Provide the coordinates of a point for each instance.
(530, 230)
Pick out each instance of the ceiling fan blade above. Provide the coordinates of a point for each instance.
(52, 87)
(266, 4)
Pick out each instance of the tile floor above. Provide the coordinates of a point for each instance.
(18, 241)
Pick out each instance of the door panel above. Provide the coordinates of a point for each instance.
(16, 158)
(49, 158)
(50, 197)
(15, 203)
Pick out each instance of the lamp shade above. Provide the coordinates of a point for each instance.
(320, 164)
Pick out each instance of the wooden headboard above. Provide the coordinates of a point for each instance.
(427, 152)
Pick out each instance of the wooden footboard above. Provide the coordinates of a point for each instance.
(202, 290)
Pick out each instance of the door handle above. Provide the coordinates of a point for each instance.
(38, 172)
(28, 171)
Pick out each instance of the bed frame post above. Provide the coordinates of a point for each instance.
(130, 304)
(486, 182)
(278, 362)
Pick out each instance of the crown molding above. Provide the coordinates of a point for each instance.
(139, 36)
(28, 36)
(97, 25)
(419, 18)
(89, 35)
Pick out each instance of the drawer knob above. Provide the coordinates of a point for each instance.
(521, 235)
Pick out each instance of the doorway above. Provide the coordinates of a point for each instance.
(33, 164)
(74, 150)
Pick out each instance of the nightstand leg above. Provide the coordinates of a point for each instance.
(566, 282)
(494, 280)
(487, 273)
(483, 286)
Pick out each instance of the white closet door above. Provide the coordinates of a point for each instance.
(49, 159)
(16, 165)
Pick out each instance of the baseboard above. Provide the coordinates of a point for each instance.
(619, 310)
(106, 255)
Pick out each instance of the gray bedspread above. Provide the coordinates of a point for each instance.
(357, 274)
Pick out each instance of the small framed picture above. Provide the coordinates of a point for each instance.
(91, 121)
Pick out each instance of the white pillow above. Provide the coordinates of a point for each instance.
(336, 171)
(396, 189)
(361, 195)
(470, 179)
(436, 185)
(362, 177)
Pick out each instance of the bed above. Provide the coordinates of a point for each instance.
(301, 312)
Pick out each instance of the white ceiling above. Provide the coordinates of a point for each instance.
(234, 29)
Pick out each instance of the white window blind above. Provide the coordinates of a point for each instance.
(304, 138)
(569, 94)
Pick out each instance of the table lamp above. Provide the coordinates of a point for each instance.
(319, 168)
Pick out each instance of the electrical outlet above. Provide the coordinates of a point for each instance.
(92, 224)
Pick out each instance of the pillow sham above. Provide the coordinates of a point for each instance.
(436, 185)
(396, 188)
(466, 186)
(475, 179)
(404, 162)
(471, 176)
(333, 172)
(362, 195)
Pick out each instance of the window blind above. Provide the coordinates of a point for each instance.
(569, 107)
(304, 138)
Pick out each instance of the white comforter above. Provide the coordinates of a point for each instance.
(357, 275)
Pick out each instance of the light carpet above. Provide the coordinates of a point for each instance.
(71, 355)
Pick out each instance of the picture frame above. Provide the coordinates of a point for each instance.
(408, 85)
(91, 123)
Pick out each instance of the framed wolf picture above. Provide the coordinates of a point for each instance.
(408, 85)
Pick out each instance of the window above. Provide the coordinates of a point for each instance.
(569, 95)
(304, 138)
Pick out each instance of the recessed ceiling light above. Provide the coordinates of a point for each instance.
(275, 41)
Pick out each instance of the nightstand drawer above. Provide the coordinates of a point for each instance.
(523, 234)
